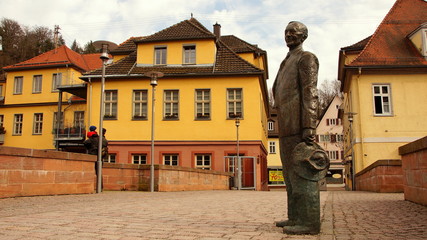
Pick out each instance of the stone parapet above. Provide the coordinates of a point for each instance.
(381, 176)
(166, 178)
(31, 172)
(414, 165)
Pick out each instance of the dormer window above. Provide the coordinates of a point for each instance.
(189, 55)
(419, 39)
(160, 55)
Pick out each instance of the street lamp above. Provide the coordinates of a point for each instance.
(104, 57)
(153, 75)
(353, 165)
(239, 162)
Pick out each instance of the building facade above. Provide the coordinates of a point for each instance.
(210, 106)
(275, 169)
(30, 103)
(384, 80)
(210, 82)
(329, 135)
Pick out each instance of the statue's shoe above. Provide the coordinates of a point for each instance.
(300, 230)
(284, 223)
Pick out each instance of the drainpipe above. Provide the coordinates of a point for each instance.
(89, 114)
(58, 119)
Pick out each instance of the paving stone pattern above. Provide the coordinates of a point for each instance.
(205, 215)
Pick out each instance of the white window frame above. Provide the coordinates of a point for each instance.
(270, 125)
(272, 147)
(203, 158)
(37, 83)
(234, 103)
(18, 120)
(380, 96)
(160, 55)
(18, 85)
(55, 120)
(171, 104)
(111, 158)
(333, 155)
(170, 159)
(56, 81)
(139, 158)
(203, 104)
(38, 124)
(111, 104)
(140, 105)
(189, 54)
(79, 119)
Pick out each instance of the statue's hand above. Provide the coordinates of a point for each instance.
(309, 136)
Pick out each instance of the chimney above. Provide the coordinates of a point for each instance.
(217, 30)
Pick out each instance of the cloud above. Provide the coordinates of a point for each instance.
(332, 24)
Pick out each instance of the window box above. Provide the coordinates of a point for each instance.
(171, 116)
(140, 117)
(203, 116)
(110, 117)
(235, 115)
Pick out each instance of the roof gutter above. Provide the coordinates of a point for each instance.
(14, 69)
(172, 75)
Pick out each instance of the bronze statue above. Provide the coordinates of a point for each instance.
(304, 162)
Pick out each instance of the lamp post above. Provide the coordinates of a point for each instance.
(239, 162)
(353, 165)
(153, 75)
(104, 57)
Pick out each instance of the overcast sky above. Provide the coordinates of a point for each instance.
(332, 24)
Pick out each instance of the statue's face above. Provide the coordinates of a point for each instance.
(293, 35)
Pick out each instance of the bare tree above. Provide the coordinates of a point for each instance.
(20, 43)
(327, 91)
(11, 35)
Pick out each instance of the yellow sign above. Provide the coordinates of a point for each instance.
(275, 176)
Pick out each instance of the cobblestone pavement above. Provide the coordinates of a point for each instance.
(205, 215)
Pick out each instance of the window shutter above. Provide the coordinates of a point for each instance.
(333, 138)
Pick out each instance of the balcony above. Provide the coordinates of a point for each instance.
(74, 86)
(70, 139)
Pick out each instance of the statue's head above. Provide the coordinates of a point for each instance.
(295, 34)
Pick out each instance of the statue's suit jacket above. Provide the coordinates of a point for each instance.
(295, 92)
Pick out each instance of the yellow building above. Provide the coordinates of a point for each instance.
(34, 94)
(275, 174)
(384, 80)
(209, 82)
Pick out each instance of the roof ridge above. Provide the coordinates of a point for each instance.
(186, 29)
(199, 26)
(248, 44)
(69, 52)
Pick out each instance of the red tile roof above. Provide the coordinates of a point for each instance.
(238, 45)
(60, 56)
(127, 46)
(389, 45)
(358, 46)
(187, 29)
(227, 61)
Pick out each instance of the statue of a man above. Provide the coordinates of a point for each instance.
(304, 162)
